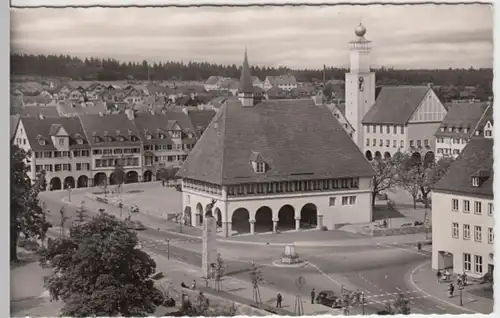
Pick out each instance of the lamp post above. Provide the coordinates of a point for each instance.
(168, 247)
(363, 303)
(68, 187)
(120, 205)
(461, 288)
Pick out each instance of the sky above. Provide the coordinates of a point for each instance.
(416, 36)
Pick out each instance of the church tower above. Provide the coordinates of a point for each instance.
(246, 90)
(359, 84)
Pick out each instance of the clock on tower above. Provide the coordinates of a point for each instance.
(360, 83)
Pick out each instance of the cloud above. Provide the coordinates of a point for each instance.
(299, 37)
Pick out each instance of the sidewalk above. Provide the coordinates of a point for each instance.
(235, 289)
(424, 279)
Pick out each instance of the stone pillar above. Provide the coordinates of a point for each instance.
(275, 225)
(226, 229)
(297, 224)
(252, 227)
(320, 221)
(209, 245)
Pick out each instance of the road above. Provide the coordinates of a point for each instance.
(381, 271)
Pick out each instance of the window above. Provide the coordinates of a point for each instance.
(388, 129)
(388, 142)
(456, 151)
(419, 143)
(78, 166)
(440, 150)
(367, 127)
(466, 232)
(47, 154)
(374, 142)
(332, 201)
(61, 141)
(47, 168)
(394, 143)
(477, 233)
(402, 144)
(402, 129)
(411, 143)
(381, 143)
(478, 264)
(455, 230)
(79, 141)
(477, 207)
(490, 209)
(475, 181)
(381, 129)
(487, 133)
(490, 235)
(260, 167)
(466, 206)
(352, 200)
(368, 142)
(426, 142)
(395, 130)
(454, 204)
(345, 200)
(440, 140)
(467, 262)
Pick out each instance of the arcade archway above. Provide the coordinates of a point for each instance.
(82, 182)
(264, 219)
(286, 218)
(378, 155)
(240, 221)
(387, 155)
(55, 183)
(429, 159)
(148, 176)
(368, 155)
(69, 182)
(132, 177)
(309, 216)
(100, 179)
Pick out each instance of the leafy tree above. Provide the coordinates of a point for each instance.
(119, 175)
(81, 212)
(411, 179)
(201, 307)
(167, 173)
(98, 271)
(432, 174)
(26, 213)
(385, 175)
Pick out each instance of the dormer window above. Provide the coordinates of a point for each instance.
(477, 132)
(121, 138)
(161, 136)
(475, 182)
(466, 130)
(443, 129)
(79, 141)
(133, 138)
(450, 129)
(260, 167)
(41, 142)
(148, 136)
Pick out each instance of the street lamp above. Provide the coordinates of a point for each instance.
(168, 247)
(461, 288)
(120, 205)
(363, 303)
(68, 187)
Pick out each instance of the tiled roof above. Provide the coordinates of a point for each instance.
(298, 140)
(487, 117)
(73, 109)
(37, 99)
(14, 121)
(35, 111)
(395, 105)
(200, 119)
(153, 124)
(230, 84)
(36, 127)
(282, 80)
(212, 80)
(113, 126)
(475, 157)
(276, 92)
(461, 115)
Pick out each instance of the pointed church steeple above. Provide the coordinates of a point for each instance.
(246, 90)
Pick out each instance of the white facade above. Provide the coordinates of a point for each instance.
(462, 233)
(449, 147)
(359, 88)
(333, 207)
(385, 139)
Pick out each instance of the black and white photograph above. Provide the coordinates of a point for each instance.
(251, 160)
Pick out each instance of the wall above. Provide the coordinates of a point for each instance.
(422, 131)
(442, 219)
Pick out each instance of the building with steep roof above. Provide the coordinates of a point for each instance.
(462, 211)
(392, 119)
(285, 82)
(275, 165)
(60, 147)
(457, 128)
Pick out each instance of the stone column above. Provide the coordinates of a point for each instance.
(297, 224)
(320, 221)
(275, 225)
(252, 227)
(226, 229)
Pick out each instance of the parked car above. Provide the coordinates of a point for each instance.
(327, 298)
(135, 225)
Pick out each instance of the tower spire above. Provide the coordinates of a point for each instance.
(246, 83)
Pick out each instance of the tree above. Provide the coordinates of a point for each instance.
(410, 178)
(432, 174)
(98, 271)
(166, 174)
(26, 213)
(401, 306)
(81, 213)
(219, 269)
(256, 278)
(385, 175)
(201, 307)
(119, 175)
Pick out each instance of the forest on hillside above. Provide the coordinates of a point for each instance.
(109, 69)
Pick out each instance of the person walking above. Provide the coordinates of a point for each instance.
(279, 300)
(451, 290)
(313, 295)
(439, 274)
(193, 285)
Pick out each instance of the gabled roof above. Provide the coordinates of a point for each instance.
(395, 105)
(14, 121)
(110, 125)
(54, 129)
(282, 80)
(476, 156)
(36, 111)
(36, 128)
(212, 80)
(200, 119)
(298, 140)
(461, 115)
(154, 124)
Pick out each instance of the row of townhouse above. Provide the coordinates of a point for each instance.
(84, 150)
(462, 211)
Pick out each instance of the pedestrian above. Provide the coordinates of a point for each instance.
(459, 280)
(464, 279)
(419, 246)
(385, 223)
(193, 285)
(313, 295)
(439, 274)
(279, 299)
(451, 290)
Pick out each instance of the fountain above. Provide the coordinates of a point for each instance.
(290, 256)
